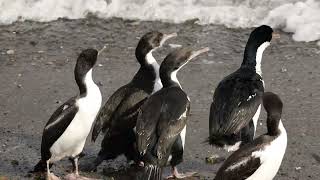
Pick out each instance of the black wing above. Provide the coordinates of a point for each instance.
(103, 119)
(235, 101)
(57, 124)
(147, 121)
(161, 120)
(241, 164)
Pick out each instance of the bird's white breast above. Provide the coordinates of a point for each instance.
(72, 141)
(271, 157)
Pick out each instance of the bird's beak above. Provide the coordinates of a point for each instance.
(104, 47)
(167, 36)
(198, 52)
(275, 35)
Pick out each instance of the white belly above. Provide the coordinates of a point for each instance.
(72, 141)
(271, 158)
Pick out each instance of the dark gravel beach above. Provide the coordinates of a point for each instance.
(37, 61)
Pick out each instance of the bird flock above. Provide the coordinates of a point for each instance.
(146, 119)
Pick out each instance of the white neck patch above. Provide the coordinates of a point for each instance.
(260, 50)
(152, 61)
(173, 75)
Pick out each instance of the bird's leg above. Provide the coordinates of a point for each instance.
(177, 175)
(50, 176)
(75, 175)
(76, 166)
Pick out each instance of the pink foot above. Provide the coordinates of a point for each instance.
(51, 176)
(175, 174)
(73, 176)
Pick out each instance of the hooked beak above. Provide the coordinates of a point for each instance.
(198, 52)
(104, 47)
(166, 37)
(275, 35)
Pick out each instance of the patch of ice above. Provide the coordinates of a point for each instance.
(299, 17)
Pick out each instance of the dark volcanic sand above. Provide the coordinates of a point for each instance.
(38, 77)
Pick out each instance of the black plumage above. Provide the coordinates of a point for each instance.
(65, 114)
(162, 119)
(264, 153)
(117, 117)
(238, 96)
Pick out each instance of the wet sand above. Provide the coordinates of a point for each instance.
(38, 76)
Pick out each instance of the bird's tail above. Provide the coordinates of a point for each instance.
(41, 166)
(221, 140)
(150, 172)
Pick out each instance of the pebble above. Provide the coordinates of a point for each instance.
(283, 69)
(40, 52)
(10, 52)
(100, 83)
(100, 65)
(19, 86)
(214, 159)
(175, 45)
(298, 168)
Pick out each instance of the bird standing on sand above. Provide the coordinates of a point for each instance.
(236, 102)
(162, 120)
(261, 158)
(65, 133)
(117, 118)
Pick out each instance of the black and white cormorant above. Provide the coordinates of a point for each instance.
(261, 158)
(236, 104)
(117, 118)
(162, 120)
(65, 133)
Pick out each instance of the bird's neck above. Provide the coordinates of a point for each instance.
(87, 86)
(169, 79)
(148, 74)
(275, 126)
(253, 57)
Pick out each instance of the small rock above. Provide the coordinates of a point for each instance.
(14, 163)
(33, 43)
(49, 63)
(100, 65)
(175, 45)
(19, 86)
(214, 159)
(19, 75)
(10, 52)
(260, 124)
(58, 101)
(283, 69)
(100, 83)
(61, 47)
(298, 168)
(40, 52)
(33, 64)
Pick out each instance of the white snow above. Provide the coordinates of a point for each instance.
(299, 17)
